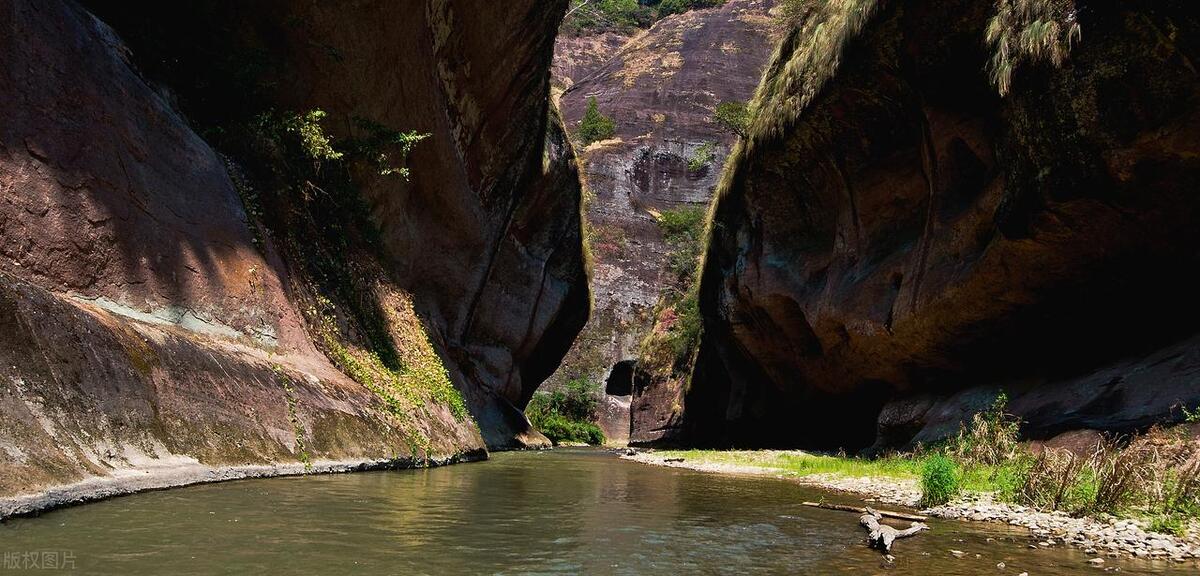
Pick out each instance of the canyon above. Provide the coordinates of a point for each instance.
(660, 86)
(304, 237)
(178, 288)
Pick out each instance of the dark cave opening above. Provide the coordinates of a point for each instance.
(620, 379)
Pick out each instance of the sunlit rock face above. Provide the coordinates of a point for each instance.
(909, 235)
(660, 87)
(149, 318)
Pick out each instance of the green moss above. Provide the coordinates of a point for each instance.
(289, 394)
(668, 349)
(808, 56)
(702, 156)
(404, 390)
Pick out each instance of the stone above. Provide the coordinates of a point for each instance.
(660, 87)
(876, 266)
(124, 231)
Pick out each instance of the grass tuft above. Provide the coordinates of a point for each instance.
(939, 480)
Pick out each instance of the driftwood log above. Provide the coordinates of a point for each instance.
(883, 513)
(880, 536)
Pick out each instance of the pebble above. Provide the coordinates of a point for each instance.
(1111, 538)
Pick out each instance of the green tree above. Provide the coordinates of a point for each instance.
(732, 117)
(595, 126)
(568, 414)
(668, 7)
(594, 16)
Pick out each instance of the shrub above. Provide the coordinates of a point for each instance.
(667, 348)
(594, 16)
(733, 117)
(1191, 416)
(624, 16)
(567, 414)
(682, 228)
(1119, 475)
(992, 439)
(668, 7)
(1053, 480)
(939, 480)
(703, 156)
(1029, 30)
(560, 429)
(380, 144)
(595, 126)
(304, 131)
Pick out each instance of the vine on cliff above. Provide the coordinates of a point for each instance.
(668, 349)
(1029, 31)
(364, 324)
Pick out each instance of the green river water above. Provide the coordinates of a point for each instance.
(558, 512)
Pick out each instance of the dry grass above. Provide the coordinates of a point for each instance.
(807, 58)
(1029, 31)
(991, 439)
(1156, 475)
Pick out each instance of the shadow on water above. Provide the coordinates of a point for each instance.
(561, 512)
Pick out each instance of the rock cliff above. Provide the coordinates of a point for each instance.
(895, 241)
(660, 87)
(165, 304)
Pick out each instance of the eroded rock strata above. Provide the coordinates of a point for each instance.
(660, 87)
(163, 303)
(895, 238)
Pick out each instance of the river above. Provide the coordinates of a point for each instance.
(556, 512)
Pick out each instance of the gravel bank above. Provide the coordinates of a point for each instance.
(1097, 536)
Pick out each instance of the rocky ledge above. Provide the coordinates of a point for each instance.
(185, 472)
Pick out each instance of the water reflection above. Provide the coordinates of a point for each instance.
(564, 512)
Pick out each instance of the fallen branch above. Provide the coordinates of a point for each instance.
(880, 536)
(883, 513)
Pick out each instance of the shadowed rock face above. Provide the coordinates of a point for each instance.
(660, 88)
(911, 235)
(485, 233)
(142, 327)
(144, 324)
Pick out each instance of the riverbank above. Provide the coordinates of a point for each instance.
(182, 472)
(895, 481)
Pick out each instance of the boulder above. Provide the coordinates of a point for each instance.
(894, 232)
